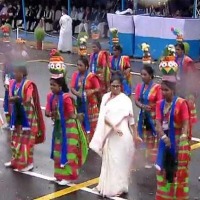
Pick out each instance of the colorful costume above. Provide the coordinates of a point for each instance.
(26, 123)
(18, 52)
(7, 76)
(69, 145)
(87, 104)
(121, 64)
(186, 75)
(99, 65)
(173, 163)
(146, 124)
(186, 89)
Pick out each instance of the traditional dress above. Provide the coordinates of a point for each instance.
(69, 144)
(121, 64)
(116, 151)
(26, 124)
(65, 37)
(99, 65)
(7, 76)
(146, 124)
(186, 87)
(173, 162)
(88, 105)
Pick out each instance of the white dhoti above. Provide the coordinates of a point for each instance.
(65, 37)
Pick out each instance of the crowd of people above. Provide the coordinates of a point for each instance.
(101, 118)
(83, 18)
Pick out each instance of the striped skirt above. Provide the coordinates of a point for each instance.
(179, 189)
(193, 112)
(74, 152)
(22, 142)
(93, 112)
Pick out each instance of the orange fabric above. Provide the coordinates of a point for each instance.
(92, 82)
(56, 59)
(155, 94)
(32, 89)
(188, 64)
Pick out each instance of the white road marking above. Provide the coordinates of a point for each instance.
(41, 176)
(47, 178)
(195, 139)
(94, 192)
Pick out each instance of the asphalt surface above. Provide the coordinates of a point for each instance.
(18, 186)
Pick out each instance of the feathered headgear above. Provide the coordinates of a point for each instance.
(178, 34)
(180, 39)
(146, 53)
(56, 65)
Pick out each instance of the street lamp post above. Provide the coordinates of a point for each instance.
(122, 4)
(69, 7)
(24, 14)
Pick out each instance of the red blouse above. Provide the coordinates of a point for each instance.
(68, 104)
(181, 112)
(92, 82)
(28, 91)
(155, 94)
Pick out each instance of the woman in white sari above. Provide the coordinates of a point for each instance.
(114, 141)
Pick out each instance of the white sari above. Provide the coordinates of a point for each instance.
(116, 151)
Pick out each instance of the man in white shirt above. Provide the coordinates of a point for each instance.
(65, 37)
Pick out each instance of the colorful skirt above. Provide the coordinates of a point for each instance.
(76, 152)
(22, 142)
(151, 146)
(93, 112)
(179, 189)
(103, 84)
(192, 108)
(22, 145)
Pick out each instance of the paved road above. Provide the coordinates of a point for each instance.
(17, 186)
